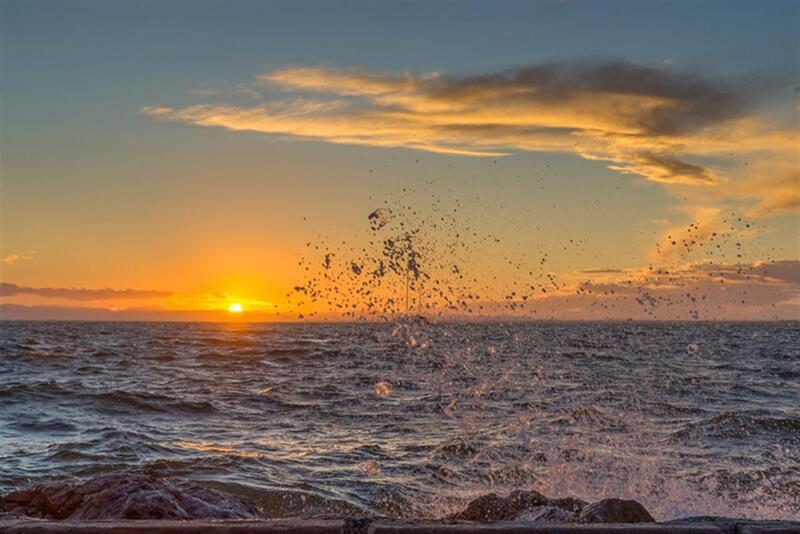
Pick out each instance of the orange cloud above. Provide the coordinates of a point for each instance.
(666, 126)
(10, 259)
(679, 243)
(340, 81)
(778, 192)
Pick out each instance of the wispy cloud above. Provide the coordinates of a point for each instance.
(80, 294)
(678, 243)
(14, 258)
(655, 122)
(605, 270)
(779, 191)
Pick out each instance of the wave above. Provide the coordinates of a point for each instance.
(123, 401)
(112, 402)
(43, 424)
(733, 424)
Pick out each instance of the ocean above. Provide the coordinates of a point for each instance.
(413, 419)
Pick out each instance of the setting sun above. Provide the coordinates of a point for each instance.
(235, 308)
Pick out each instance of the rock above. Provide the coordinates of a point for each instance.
(548, 514)
(489, 507)
(524, 500)
(615, 511)
(126, 496)
(495, 508)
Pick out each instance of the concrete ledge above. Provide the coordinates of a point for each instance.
(769, 528)
(539, 528)
(242, 526)
(365, 526)
(336, 526)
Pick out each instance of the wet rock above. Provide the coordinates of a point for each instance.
(495, 508)
(126, 496)
(489, 507)
(548, 514)
(523, 500)
(615, 511)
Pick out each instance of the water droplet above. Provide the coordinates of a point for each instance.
(383, 389)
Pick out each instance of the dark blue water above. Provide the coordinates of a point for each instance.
(413, 420)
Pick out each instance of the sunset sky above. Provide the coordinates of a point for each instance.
(165, 160)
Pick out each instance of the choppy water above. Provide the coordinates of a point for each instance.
(688, 418)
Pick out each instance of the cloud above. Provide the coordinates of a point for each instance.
(667, 169)
(778, 192)
(780, 272)
(784, 273)
(157, 111)
(341, 81)
(607, 270)
(10, 259)
(655, 122)
(678, 243)
(81, 294)
(694, 291)
(705, 290)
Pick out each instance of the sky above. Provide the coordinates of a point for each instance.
(583, 160)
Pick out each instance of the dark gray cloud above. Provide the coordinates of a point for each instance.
(683, 101)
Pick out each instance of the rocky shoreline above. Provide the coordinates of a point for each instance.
(126, 496)
(140, 503)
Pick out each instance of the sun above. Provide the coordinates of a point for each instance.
(235, 308)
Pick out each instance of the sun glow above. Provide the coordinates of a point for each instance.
(235, 308)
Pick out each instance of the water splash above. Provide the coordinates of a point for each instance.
(423, 265)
